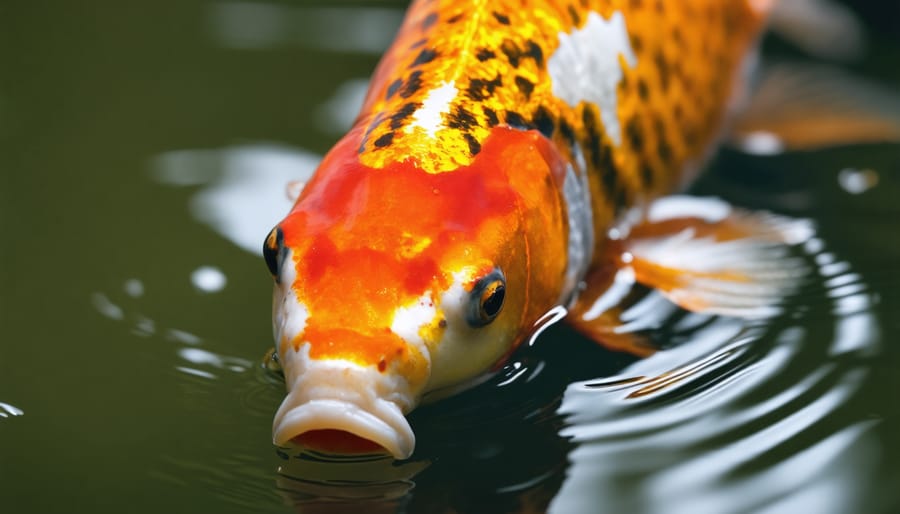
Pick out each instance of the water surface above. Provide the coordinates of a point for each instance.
(143, 146)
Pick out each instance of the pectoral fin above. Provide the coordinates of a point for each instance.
(706, 256)
(804, 107)
(598, 312)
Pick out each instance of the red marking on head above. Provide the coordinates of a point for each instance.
(422, 273)
(367, 241)
(322, 253)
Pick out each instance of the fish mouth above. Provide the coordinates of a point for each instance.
(340, 427)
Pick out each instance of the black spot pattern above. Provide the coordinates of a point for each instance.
(384, 140)
(485, 54)
(637, 44)
(425, 56)
(515, 120)
(643, 90)
(662, 66)
(479, 89)
(647, 175)
(664, 150)
(392, 89)
(524, 85)
(398, 117)
(534, 51)
(491, 115)
(429, 20)
(511, 51)
(573, 12)
(502, 18)
(635, 134)
(412, 85)
(460, 118)
(543, 121)
(567, 132)
(589, 120)
(474, 145)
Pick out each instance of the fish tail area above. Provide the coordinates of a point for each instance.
(810, 106)
(825, 29)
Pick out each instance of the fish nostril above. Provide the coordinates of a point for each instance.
(336, 441)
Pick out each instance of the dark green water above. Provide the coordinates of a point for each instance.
(134, 137)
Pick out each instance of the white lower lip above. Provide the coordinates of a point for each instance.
(334, 394)
(382, 423)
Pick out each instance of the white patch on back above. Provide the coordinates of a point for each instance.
(429, 116)
(585, 67)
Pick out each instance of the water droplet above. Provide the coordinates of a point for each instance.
(209, 279)
(857, 181)
(762, 143)
(133, 288)
(105, 307)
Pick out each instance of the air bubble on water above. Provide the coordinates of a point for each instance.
(133, 288)
(208, 279)
(105, 307)
(856, 181)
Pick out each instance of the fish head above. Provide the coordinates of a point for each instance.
(394, 284)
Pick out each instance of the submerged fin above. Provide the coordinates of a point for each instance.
(706, 256)
(598, 313)
(700, 254)
(804, 107)
(823, 28)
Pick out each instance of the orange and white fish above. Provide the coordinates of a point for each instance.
(508, 162)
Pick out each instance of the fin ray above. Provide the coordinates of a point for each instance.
(739, 265)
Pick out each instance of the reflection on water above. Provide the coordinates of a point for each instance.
(131, 375)
(244, 190)
(857, 181)
(260, 25)
(7, 410)
(209, 279)
(731, 416)
(737, 417)
(337, 114)
(321, 484)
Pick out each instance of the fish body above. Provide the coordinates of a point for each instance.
(498, 144)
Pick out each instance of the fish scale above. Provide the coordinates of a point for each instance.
(671, 104)
(476, 195)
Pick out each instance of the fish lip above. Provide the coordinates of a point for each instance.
(382, 423)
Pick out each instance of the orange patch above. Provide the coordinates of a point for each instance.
(368, 241)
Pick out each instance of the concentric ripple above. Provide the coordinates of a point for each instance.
(736, 417)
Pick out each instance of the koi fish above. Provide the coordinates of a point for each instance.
(511, 159)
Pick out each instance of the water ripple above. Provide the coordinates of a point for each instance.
(738, 416)
(7, 410)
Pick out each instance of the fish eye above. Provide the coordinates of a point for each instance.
(486, 299)
(273, 250)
